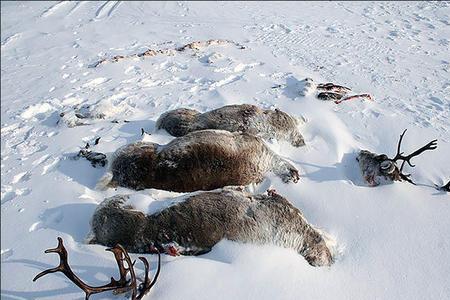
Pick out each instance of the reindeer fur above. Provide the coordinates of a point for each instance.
(373, 174)
(247, 118)
(194, 226)
(200, 160)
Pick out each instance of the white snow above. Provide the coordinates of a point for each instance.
(34, 110)
(393, 240)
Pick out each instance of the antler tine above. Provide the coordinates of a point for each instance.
(66, 270)
(119, 259)
(133, 283)
(399, 154)
(146, 271)
(158, 270)
(62, 254)
(430, 146)
(407, 159)
(147, 284)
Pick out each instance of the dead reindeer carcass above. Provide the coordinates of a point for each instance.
(194, 226)
(338, 93)
(325, 91)
(194, 46)
(379, 168)
(124, 264)
(200, 160)
(247, 118)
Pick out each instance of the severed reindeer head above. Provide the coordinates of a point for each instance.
(123, 285)
(378, 169)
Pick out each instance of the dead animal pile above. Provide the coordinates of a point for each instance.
(214, 154)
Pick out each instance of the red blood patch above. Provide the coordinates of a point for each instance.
(172, 251)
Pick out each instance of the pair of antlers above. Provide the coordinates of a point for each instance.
(399, 156)
(120, 286)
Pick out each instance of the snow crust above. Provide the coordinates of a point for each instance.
(393, 239)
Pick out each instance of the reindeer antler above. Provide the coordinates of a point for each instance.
(118, 286)
(399, 156)
(146, 285)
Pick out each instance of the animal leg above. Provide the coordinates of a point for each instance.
(285, 170)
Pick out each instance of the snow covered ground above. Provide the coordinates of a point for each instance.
(393, 240)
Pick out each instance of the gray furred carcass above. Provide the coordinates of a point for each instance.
(194, 226)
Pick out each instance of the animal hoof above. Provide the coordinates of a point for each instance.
(272, 192)
(324, 258)
(295, 176)
(298, 143)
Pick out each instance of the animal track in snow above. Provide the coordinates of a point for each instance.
(10, 39)
(106, 10)
(393, 41)
(52, 9)
(77, 5)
